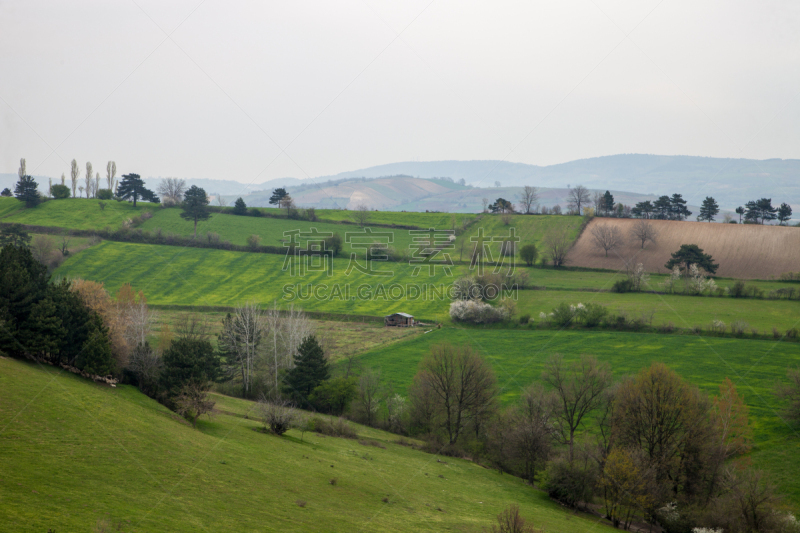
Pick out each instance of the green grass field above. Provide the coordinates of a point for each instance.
(73, 453)
(531, 229)
(237, 229)
(683, 311)
(75, 213)
(192, 276)
(755, 366)
(189, 276)
(9, 206)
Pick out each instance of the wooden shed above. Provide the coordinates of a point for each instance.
(402, 320)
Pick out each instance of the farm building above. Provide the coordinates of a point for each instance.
(402, 320)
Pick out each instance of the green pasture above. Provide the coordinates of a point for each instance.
(530, 229)
(74, 453)
(8, 206)
(237, 229)
(193, 276)
(682, 310)
(755, 366)
(74, 213)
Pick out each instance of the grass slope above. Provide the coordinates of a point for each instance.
(75, 213)
(191, 276)
(755, 367)
(531, 229)
(237, 229)
(73, 452)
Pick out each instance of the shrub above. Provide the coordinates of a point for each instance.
(622, 285)
(477, 312)
(667, 327)
(334, 243)
(528, 253)
(253, 212)
(213, 238)
(277, 417)
(737, 289)
(102, 206)
(592, 314)
(524, 319)
(253, 241)
(60, 192)
(104, 194)
(738, 327)
(563, 314)
(510, 521)
(338, 427)
(792, 333)
(717, 326)
(569, 483)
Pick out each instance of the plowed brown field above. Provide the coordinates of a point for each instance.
(745, 251)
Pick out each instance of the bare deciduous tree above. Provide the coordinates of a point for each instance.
(578, 197)
(89, 180)
(193, 402)
(276, 416)
(171, 190)
(485, 202)
(643, 231)
(74, 174)
(528, 199)
(146, 366)
(111, 172)
(533, 429)
(597, 202)
(369, 395)
(579, 388)
(606, 237)
(240, 339)
(461, 383)
(361, 215)
(556, 244)
(42, 247)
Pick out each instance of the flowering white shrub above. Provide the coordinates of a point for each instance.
(707, 530)
(672, 281)
(697, 281)
(477, 312)
(638, 277)
(718, 326)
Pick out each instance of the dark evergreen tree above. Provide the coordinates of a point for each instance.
(281, 198)
(195, 206)
(132, 188)
(643, 209)
(26, 190)
(6, 192)
(691, 254)
(708, 210)
(662, 207)
(784, 213)
(239, 207)
(188, 361)
(310, 370)
(501, 205)
(677, 207)
(760, 211)
(740, 212)
(95, 356)
(608, 203)
(14, 235)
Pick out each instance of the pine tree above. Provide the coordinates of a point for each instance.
(239, 208)
(281, 198)
(608, 202)
(26, 191)
(195, 206)
(132, 187)
(691, 254)
(708, 210)
(677, 207)
(784, 213)
(310, 370)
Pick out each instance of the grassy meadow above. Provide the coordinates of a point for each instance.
(74, 213)
(74, 454)
(755, 366)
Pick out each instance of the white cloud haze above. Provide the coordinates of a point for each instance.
(345, 85)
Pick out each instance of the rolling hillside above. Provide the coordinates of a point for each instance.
(74, 455)
(745, 251)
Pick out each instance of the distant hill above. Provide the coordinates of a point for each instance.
(731, 181)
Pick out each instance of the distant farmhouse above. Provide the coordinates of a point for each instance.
(402, 320)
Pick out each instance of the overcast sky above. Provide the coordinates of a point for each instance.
(258, 90)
